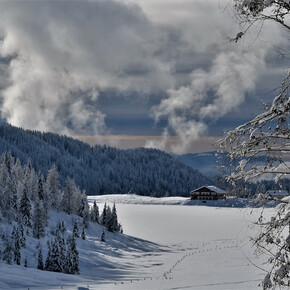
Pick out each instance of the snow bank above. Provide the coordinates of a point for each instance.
(175, 200)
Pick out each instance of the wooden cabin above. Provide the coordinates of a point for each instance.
(208, 193)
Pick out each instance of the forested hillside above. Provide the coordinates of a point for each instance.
(101, 169)
(32, 213)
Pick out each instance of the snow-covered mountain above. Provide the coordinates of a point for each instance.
(102, 169)
(206, 163)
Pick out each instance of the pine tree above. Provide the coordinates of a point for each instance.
(8, 188)
(113, 225)
(40, 265)
(48, 257)
(68, 202)
(40, 190)
(7, 252)
(95, 213)
(53, 188)
(25, 262)
(63, 250)
(4, 175)
(83, 210)
(15, 205)
(55, 257)
(22, 235)
(9, 201)
(38, 220)
(30, 181)
(103, 217)
(8, 161)
(83, 235)
(108, 220)
(25, 208)
(15, 239)
(103, 237)
(74, 254)
(76, 230)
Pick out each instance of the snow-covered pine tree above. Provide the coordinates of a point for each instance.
(114, 226)
(7, 251)
(76, 230)
(47, 266)
(62, 247)
(25, 208)
(22, 235)
(38, 220)
(95, 213)
(72, 257)
(40, 265)
(103, 216)
(68, 202)
(108, 217)
(9, 200)
(53, 188)
(83, 209)
(17, 170)
(75, 256)
(8, 161)
(40, 187)
(4, 173)
(56, 264)
(30, 181)
(16, 245)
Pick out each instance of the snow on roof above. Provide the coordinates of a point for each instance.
(212, 188)
(278, 192)
(216, 189)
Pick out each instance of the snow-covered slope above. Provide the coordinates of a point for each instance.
(188, 248)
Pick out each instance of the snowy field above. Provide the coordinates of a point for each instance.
(208, 248)
(164, 246)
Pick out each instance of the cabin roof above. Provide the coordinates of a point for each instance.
(211, 188)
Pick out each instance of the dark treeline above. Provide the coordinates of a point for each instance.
(102, 169)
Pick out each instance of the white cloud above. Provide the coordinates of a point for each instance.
(63, 53)
(62, 49)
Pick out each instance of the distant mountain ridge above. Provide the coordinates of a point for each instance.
(102, 169)
(209, 163)
(206, 163)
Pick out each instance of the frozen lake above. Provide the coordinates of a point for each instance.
(174, 224)
(209, 247)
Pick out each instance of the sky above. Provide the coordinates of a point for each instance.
(149, 73)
